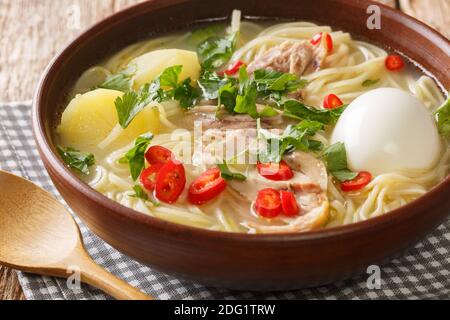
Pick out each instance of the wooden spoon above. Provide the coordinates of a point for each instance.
(38, 235)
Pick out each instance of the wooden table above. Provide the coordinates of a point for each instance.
(32, 31)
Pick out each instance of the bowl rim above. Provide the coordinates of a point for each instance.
(50, 157)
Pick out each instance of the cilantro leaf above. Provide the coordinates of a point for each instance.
(443, 118)
(335, 157)
(215, 52)
(135, 156)
(297, 110)
(227, 174)
(139, 193)
(76, 160)
(121, 81)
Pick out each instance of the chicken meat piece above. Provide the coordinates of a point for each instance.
(296, 57)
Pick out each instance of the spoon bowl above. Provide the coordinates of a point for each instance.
(38, 235)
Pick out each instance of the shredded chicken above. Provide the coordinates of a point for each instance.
(297, 57)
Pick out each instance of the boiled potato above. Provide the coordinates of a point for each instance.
(152, 64)
(91, 117)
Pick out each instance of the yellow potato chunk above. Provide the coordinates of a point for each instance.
(91, 117)
(152, 64)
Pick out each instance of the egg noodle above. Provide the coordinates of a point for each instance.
(345, 69)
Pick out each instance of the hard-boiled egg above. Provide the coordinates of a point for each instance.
(386, 130)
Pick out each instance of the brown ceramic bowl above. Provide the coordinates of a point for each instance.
(240, 261)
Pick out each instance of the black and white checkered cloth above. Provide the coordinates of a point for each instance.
(423, 272)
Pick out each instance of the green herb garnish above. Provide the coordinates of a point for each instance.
(215, 52)
(121, 81)
(135, 157)
(77, 160)
(246, 98)
(227, 174)
(293, 138)
(210, 84)
(335, 157)
(227, 97)
(268, 80)
(297, 110)
(268, 111)
(139, 193)
(443, 118)
(164, 87)
(369, 82)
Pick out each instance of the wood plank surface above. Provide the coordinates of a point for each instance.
(32, 31)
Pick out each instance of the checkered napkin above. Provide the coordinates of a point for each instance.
(423, 272)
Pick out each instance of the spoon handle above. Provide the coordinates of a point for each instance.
(98, 277)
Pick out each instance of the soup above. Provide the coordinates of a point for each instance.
(257, 127)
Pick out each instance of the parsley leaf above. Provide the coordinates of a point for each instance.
(121, 81)
(169, 77)
(293, 137)
(139, 193)
(227, 97)
(268, 111)
(443, 118)
(274, 85)
(246, 98)
(135, 157)
(335, 157)
(77, 160)
(297, 110)
(215, 52)
(227, 174)
(129, 105)
(210, 83)
(186, 94)
(269, 80)
(164, 87)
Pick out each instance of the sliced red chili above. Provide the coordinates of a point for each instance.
(275, 171)
(318, 37)
(362, 179)
(332, 101)
(234, 68)
(289, 204)
(148, 176)
(206, 187)
(268, 203)
(158, 155)
(170, 181)
(394, 62)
